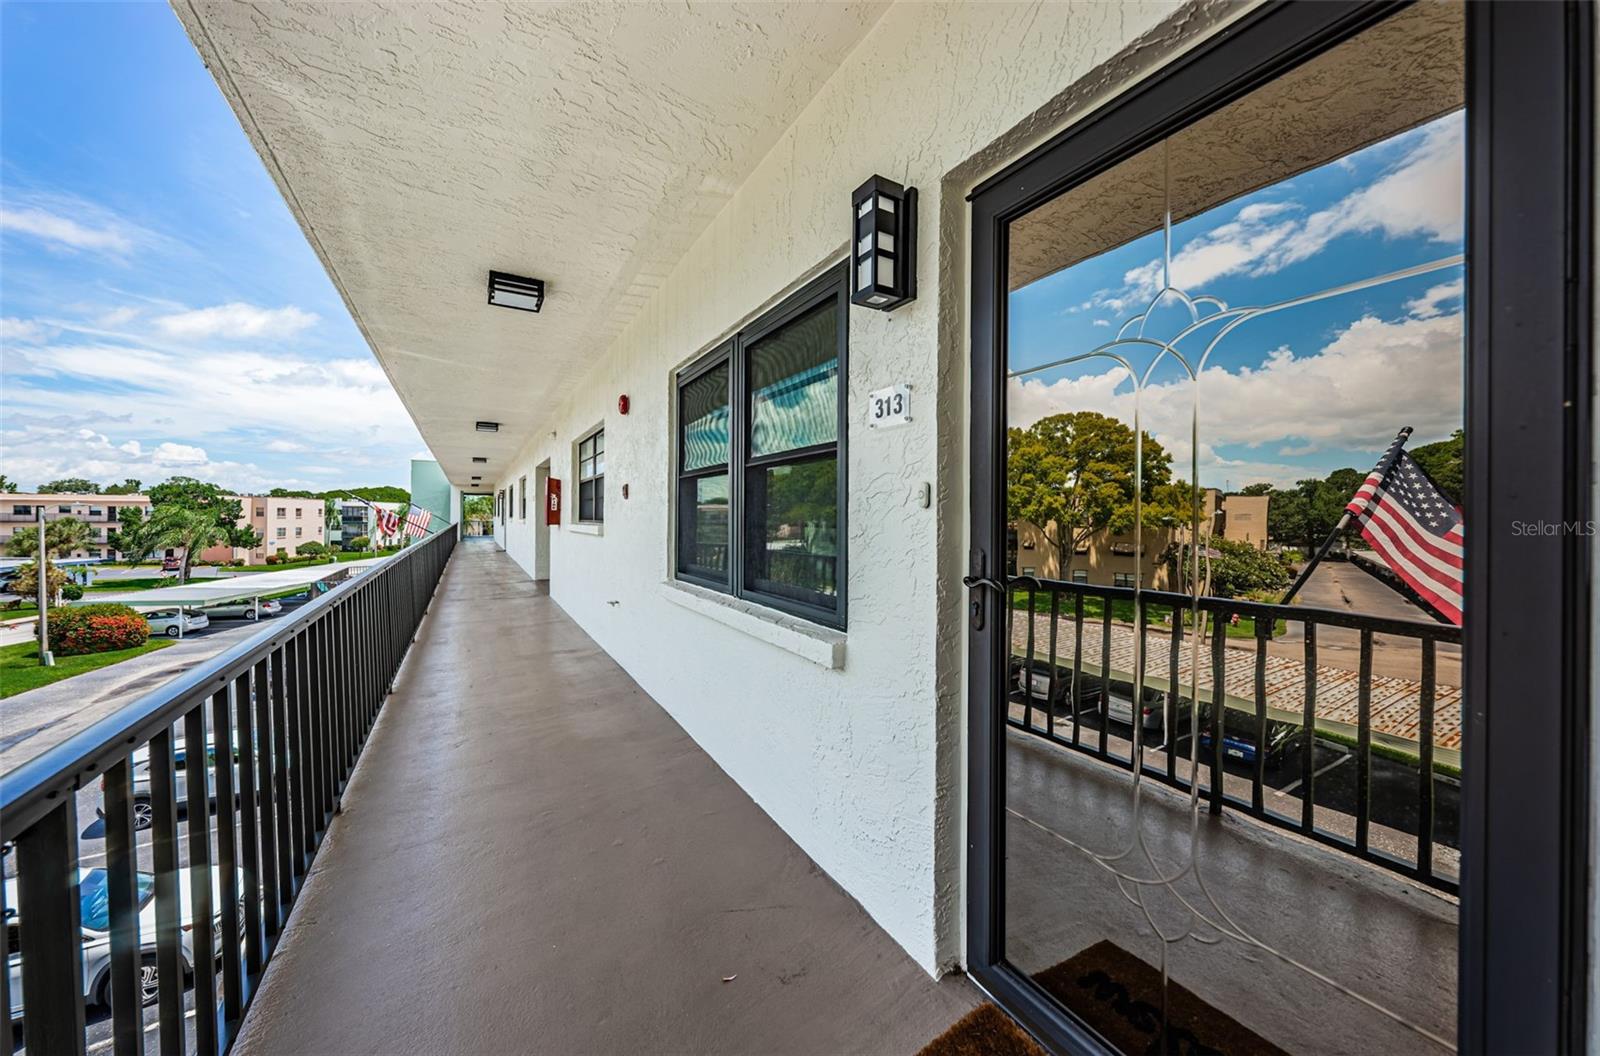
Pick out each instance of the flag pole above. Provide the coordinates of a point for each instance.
(1327, 544)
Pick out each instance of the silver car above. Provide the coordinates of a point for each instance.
(243, 610)
(143, 812)
(95, 909)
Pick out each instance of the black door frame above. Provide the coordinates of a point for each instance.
(1525, 916)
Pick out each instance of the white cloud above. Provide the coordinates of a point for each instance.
(1430, 304)
(66, 223)
(284, 447)
(235, 320)
(24, 330)
(1102, 322)
(1372, 378)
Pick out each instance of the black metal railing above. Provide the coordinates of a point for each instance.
(1246, 738)
(296, 701)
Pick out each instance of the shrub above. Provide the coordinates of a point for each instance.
(311, 549)
(72, 592)
(275, 559)
(360, 542)
(96, 629)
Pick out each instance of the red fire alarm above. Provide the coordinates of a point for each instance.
(622, 404)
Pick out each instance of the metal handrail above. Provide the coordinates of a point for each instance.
(32, 788)
(299, 698)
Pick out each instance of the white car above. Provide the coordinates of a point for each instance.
(166, 621)
(243, 610)
(95, 909)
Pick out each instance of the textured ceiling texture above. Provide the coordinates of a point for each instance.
(422, 145)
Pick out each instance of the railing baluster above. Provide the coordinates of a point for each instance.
(51, 932)
(1077, 670)
(122, 902)
(1170, 719)
(203, 937)
(245, 692)
(1027, 663)
(1258, 780)
(267, 812)
(1105, 678)
(169, 899)
(282, 740)
(1364, 744)
(1219, 703)
(1141, 625)
(5, 974)
(1050, 705)
(304, 765)
(1425, 764)
(223, 769)
(1308, 734)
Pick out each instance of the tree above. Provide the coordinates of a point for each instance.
(360, 542)
(285, 493)
(1443, 462)
(61, 537)
(25, 581)
(1072, 475)
(1260, 488)
(136, 535)
(70, 486)
(1238, 569)
(7, 485)
(312, 549)
(129, 486)
(194, 515)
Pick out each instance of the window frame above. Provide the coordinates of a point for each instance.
(832, 284)
(577, 475)
(522, 509)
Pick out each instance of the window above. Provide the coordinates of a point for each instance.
(592, 478)
(97, 511)
(298, 531)
(22, 511)
(522, 511)
(261, 511)
(511, 500)
(299, 511)
(63, 509)
(283, 511)
(283, 533)
(1080, 575)
(1122, 579)
(760, 459)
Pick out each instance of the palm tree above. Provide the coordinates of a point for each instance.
(190, 529)
(61, 537)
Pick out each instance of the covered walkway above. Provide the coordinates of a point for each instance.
(533, 856)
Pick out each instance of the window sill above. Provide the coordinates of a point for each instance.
(587, 528)
(820, 645)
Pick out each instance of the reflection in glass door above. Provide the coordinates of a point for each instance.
(1233, 372)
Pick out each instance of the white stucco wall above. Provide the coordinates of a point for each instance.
(862, 764)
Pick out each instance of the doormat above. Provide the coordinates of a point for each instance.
(1119, 996)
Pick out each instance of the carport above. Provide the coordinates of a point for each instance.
(248, 587)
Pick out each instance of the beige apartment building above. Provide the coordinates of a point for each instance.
(284, 525)
(1109, 558)
(21, 510)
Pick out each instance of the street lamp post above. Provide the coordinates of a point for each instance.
(42, 588)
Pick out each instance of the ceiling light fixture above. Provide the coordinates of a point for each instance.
(488, 427)
(514, 291)
(479, 458)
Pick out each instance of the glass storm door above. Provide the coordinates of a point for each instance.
(1221, 471)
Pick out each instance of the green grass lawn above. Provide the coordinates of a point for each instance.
(20, 670)
(144, 583)
(19, 612)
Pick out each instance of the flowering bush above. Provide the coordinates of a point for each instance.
(96, 629)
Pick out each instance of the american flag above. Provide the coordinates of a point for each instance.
(388, 523)
(1414, 528)
(417, 521)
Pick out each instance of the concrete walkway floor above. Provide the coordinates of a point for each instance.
(533, 857)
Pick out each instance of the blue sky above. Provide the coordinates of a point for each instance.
(163, 314)
(1298, 392)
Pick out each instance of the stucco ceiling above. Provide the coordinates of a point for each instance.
(587, 144)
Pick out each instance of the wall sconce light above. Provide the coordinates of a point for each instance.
(514, 291)
(622, 404)
(883, 254)
(487, 427)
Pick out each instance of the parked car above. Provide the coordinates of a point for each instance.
(94, 907)
(1037, 684)
(143, 813)
(243, 610)
(166, 621)
(171, 564)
